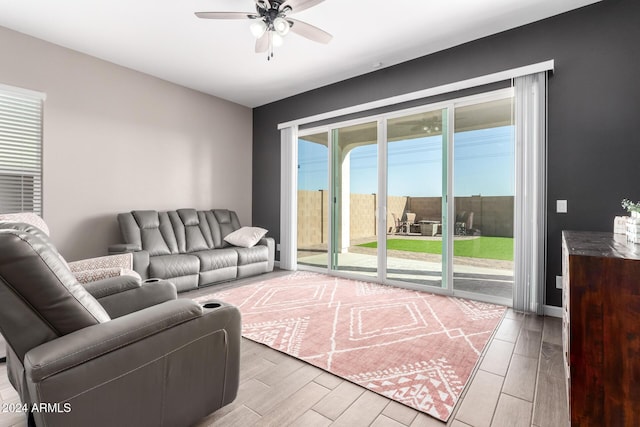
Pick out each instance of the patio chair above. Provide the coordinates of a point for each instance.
(410, 222)
(464, 224)
(396, 225)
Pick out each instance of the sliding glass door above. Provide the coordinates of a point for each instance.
(313, 200)
(423, 197)
(484, 183)
(415, 146)
(354, 172)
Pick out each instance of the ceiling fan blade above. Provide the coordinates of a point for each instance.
(309, 31)
(262, 44)
(226, 15)
(263, 4)
(299, 5)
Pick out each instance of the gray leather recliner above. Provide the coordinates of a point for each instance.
(126, 358)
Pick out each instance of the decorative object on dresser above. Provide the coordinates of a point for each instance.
(620, 225)
(601, 328)
(633, 220)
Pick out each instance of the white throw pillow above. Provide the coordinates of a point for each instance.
(246, 237)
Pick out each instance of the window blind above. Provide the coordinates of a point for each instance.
(20, 151)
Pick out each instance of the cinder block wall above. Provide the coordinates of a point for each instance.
(492, 215)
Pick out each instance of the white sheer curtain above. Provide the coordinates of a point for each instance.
(531, 192)
(288, 197)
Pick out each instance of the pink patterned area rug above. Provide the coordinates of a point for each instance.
(413, 347)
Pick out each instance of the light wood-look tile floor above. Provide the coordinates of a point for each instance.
(519, 381)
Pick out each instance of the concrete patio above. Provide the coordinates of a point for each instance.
(478, 275)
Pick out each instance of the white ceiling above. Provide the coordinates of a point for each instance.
(164, 38)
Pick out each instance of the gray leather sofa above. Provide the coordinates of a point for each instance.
(131, 361)
(187, 247)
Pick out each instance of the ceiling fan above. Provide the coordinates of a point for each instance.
(271, 22)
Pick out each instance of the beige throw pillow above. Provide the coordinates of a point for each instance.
(245, 237)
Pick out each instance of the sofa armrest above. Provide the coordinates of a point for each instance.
(110, 286)
(94, 341)
(140, 257)
(124, 247)
(125, 294)
(147, 295)
(270, 243)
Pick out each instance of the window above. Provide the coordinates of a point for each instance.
(20, 150)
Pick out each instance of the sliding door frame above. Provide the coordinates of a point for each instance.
(448, 201)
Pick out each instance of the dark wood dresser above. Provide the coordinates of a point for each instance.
(601, 328)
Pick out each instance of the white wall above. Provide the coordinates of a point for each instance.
(116, 140)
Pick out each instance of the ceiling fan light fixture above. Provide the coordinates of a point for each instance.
(281, 26)
(276, 39)
(270, 23)
(257, 28)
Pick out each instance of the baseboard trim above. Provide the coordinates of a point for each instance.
(552, 311)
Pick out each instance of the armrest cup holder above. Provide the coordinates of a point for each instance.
(211, 305)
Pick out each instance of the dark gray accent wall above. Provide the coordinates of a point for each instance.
(593, 114)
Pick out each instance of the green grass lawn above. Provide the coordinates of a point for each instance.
(482, 247)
